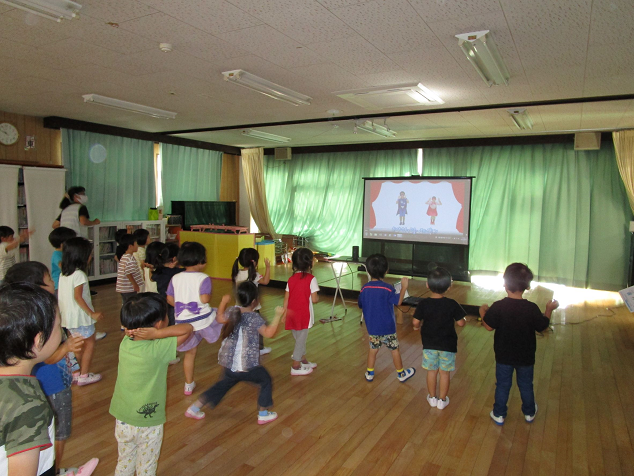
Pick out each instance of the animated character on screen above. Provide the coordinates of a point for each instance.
(402, 208)
(432, 210)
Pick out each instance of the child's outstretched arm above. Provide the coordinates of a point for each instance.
(550, 307)
(73, 344)
(483, 310)
(220, 315)
(79, 299)
(404, 286)
(180, 331)
(270, 330)
(267, 273)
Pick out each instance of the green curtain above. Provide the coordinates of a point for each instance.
(190, 174)
(118, 173)
(320, 196)
(564, 213)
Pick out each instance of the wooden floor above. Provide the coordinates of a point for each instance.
(335, 423)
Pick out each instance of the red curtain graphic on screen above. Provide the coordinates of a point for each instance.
(458, 192)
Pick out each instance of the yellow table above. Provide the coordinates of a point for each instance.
(222, 250)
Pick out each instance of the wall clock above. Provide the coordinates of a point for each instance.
(8, 134)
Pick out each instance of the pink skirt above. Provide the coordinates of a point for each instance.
(210, 333)
(432, 212)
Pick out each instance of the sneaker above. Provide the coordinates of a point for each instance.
(302, 370)
(268, 418)
(196, 415)
(312, 365)
(76, 377)
(406, 374)
(100, 335)
(530, 418)
(433, 401)
(85, 469)
(499, 420)
(442, 403)
(369, 376)
(265, 350)
(175, 361)
(87, 380)
(189, 388)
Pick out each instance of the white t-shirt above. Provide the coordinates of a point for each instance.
(243, 275)
(314, 288)
(7, 258)
(74, 316)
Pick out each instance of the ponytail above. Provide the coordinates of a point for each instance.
(233, 316)
(248, 258)
(235, 270)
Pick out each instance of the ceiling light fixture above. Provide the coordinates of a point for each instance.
(521, 118)
(265, 136)
(128, 106)
(56, 10)
(483, 54)
(263, 86)
(412, 95)
(372, 128)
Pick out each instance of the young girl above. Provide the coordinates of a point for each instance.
(401, 211)
(190, 292)
(75, 304)
(239, 353)
(245, 269)
(432, 210)
(155, 256)
(301, 293)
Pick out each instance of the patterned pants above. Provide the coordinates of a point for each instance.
(139, 449)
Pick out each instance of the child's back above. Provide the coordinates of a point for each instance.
(377, 300)
(438, 329)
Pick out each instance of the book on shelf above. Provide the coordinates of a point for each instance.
(107, 247)
(107, 233)
(107, 266)
(21, 196)
(24, 255)
(22, 219)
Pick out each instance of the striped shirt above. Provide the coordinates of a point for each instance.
(7, 258)
(128, 265)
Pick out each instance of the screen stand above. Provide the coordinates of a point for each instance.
(338, 292)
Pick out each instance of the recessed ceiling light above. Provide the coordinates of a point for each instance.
(165, 47)
(264, 136)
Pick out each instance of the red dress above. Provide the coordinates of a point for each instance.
(298, 312)
(432, 212)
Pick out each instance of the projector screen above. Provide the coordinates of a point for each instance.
(423, 209)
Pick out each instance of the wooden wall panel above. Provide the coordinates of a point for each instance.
(48, 142)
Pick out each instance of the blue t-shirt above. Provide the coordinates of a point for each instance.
(377, 300)
(54, 377)
(55, 269)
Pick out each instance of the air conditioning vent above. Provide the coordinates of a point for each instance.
(282, 153)
(414, 95)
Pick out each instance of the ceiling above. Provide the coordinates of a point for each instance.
(554, 49)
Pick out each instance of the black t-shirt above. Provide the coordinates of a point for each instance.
(439, 317)
(515, 322)
(83, 212)
(162, 278)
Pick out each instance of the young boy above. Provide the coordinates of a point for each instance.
(8, 248)
(138, 402)
(129, 279)
(142, 238)
(377, 300)
(30, 332)
(515, 321)
(56, 238)
(439, 315)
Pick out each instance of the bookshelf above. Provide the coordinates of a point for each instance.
(23, 223)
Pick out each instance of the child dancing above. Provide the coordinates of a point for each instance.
(239, 353)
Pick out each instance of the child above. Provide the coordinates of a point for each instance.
(129, 279)
(377, 300)
(156, 255)
(138, 402)
(142, 238)
(301, 293)
(248, 261)
(440, 341)
(75, 303)
(120, 250)
(56, 238)
(239, 353)
(9, 248)
(401, 211)
(30, 333)
(190, 293)
(515, 321)
(432, 209)
(164, 267)
(54, 374)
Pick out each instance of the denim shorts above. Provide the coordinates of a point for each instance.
(435, 359)
(390, 341)
(84, 331)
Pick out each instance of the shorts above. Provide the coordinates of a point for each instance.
(390, 341)
(84, 331)
(210, 333)
(62, 405)
(435, 359)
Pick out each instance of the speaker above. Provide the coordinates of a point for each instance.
(587, 141)
(282, 153)
(355, 253)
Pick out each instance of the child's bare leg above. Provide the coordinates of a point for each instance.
(431, 382)
(59, 452)
(86, 355)
(396, 358)
(444, 384)
(372, 358)
(188, 364)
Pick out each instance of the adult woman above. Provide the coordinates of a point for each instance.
(74, 212)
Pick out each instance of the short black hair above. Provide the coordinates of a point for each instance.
(173, 249)
(439, 280)
(119, 233)
(376, 265)
(59, 235)
(192, 254)
(143, 310)
(517, 277)
(302, 260)
(156, 254)
(26, 310)
(69, 198)
(141, 236)
(32, 272)
(126, 241)
(246, 293)
(6, 231)
(76, 255)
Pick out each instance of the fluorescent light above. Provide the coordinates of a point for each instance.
(265, 136)
(521, 118)
(483, 54)
(372, 128)
(56, 10)
(272, 90)
(129, 106)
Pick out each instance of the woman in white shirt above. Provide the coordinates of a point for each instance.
(74, 212)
